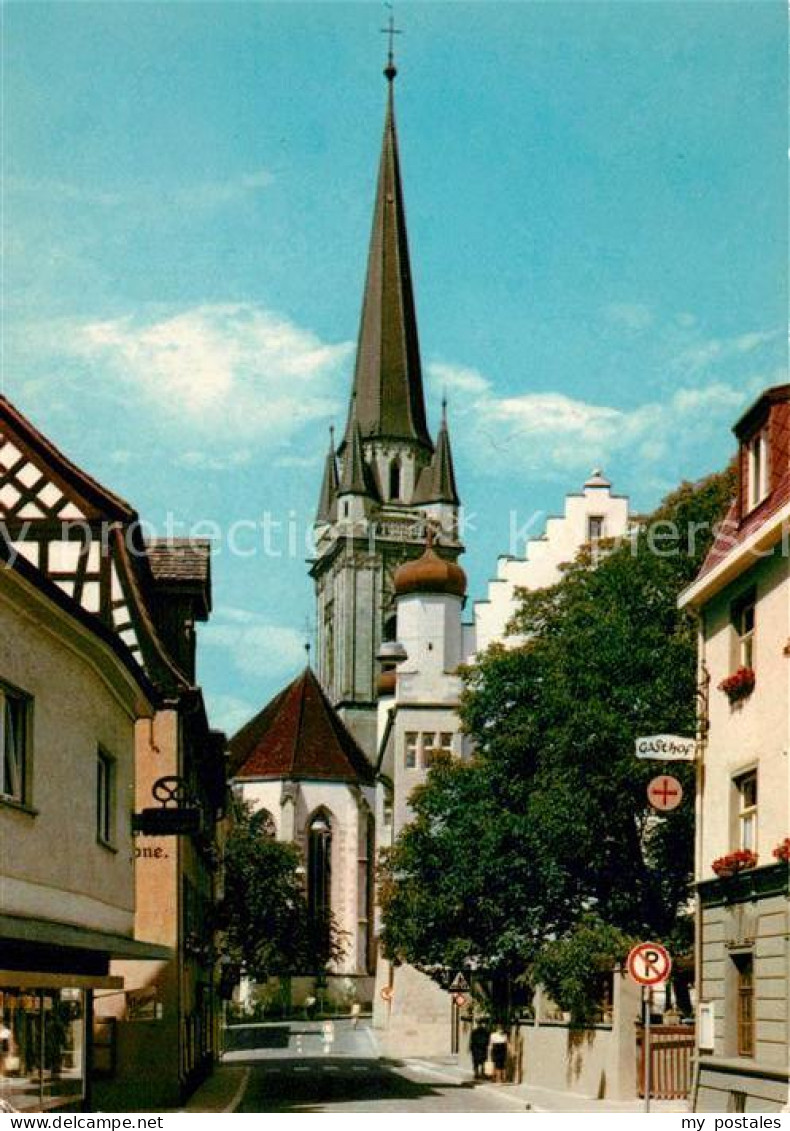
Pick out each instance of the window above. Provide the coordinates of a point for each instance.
(758, 469)
(744, 969)
(743, 618)
(410, 760)
(746, 787)
(446, 742)
(428, 747)
(395, 479)
(595, 525)
(105, 798)
(15, 744)
(319, 868)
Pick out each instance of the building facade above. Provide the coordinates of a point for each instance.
(71, 695)
(88, 545)
(742, 596)
(301, 770)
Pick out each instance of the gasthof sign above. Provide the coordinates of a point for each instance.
(666, 748)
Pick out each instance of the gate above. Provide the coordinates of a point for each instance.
(671, 1052)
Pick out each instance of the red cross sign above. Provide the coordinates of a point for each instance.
(649, 963)
(664, 793)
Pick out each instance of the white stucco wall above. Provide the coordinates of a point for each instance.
(755, 733)
(540, 566)
(292, 806)
(52, 865)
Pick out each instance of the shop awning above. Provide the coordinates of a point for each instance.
(44, 933)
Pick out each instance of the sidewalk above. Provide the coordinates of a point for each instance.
(221, 1093)
(545, 1099)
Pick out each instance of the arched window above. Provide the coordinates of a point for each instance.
(262, 822)
(319, 866)
(366, 894)
(395, 470)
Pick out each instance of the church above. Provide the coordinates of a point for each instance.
(335, 756)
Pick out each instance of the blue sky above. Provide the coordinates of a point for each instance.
(596, 198)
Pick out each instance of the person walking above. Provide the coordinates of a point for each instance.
(356, 1009)
(499, 1054)
(328, 1034)
(478, 1047)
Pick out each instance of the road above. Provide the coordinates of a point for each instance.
(292, 1071)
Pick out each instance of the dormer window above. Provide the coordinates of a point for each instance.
(757, 469)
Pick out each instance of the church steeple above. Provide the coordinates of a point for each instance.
(388, 388)
(437, 482)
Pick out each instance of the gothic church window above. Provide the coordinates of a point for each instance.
(319, 867)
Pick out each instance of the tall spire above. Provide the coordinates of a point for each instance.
(355, 475)
(388, 375)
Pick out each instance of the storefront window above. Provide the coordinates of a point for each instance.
(42, 1048)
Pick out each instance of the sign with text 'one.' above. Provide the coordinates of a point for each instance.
(666, 747)
(649, 963)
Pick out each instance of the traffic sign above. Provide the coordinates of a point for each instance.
(460, 1000)
(459, 983)
(387, 993)
(649, 963)
(665, 793)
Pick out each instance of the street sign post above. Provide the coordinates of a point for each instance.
(649, 964)
(665, 793)
(666, 748)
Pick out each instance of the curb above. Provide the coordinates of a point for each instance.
(238, 1095)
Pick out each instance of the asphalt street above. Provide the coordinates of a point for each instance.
(293, 1070)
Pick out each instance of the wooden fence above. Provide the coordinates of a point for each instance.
(671, 1052)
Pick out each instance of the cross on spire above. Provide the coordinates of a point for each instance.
(391, 31)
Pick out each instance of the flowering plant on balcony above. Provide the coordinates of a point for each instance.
(782, 850)
(739, 685)
(734, 862)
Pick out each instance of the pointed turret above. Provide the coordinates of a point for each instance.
(327, 502)
(388, 374)
(437, 482)
(355, 476)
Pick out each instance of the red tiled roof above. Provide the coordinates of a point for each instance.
(731, 534)
(298, 735)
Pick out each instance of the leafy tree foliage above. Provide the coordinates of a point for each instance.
(269, 930)
(509, 854)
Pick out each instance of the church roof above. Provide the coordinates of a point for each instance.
(298, 736)
(388, 377)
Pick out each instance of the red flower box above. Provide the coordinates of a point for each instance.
(782, 851)
(734, 862)
(739, 685)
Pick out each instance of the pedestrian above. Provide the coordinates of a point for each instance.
(328, 1033)
(309, 1006)
(478, 1047)
(499, 1053)
(356, 1009)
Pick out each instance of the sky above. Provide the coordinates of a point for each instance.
(596, 197)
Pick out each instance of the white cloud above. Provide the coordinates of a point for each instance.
(717, 351)
(456, 377)
(231, 372)
(205, 461)
(552, 432)
(253, 644)
(200, 195)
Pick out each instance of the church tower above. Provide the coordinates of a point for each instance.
(386, 481)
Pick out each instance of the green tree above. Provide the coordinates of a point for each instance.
(268, 929)
(549, 823)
